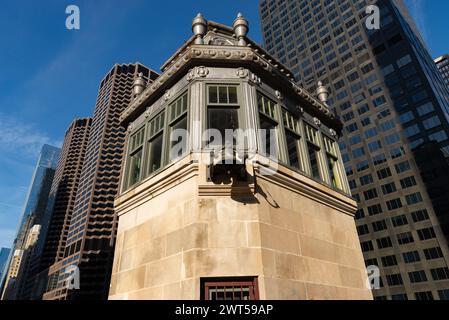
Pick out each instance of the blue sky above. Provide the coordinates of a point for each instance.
(50, 75)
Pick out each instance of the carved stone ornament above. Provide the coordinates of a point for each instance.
(242, 73)
(220, 41)
(333, 132)
(167, 95)
(317, 121)
(202, 72)
(190, 75)
(279, 95)
(197, 72)
(255, 79)
(130, 127)
(147, 113)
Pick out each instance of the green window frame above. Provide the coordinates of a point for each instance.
(135, 158)
(178, 119)
(223, 111)
(155, 144)
(292, 130)
(314, 150)
(149, 147)
(269, 121)
(332, 162)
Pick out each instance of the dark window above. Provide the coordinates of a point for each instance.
(389, 261)
(269, 146)
(394, 204)
(440, 274)
(427, 295)
(375, 209)
(384, 173)
(367, 246)
(420, 215)
(155, 151)
(405, 238)
(222, 119)
(399, 220)
(230, 289)
(417, 276)
(379, 225)
(394, 280)
(426, 234)
(384, 243)
(433, 253)
(411, 257)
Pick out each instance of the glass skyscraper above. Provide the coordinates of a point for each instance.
(387, 90)
(37, 197)
(35, 205)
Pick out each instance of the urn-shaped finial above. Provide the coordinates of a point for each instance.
(241, 28)
(138, 85)
(322, 93)
(199, 28)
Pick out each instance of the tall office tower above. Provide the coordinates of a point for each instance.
(386, 88)
(91, 234)
(10, 286)
(50, 247)
(443, 65)
(35, 204)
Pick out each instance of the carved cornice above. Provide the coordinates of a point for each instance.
(228, 53)
(314, 101)
(197, 72)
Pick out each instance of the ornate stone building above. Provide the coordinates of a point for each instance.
(263, 214)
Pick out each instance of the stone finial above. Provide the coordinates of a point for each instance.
(322, 93)
(241, 28)
(138, 85)
(199, 28)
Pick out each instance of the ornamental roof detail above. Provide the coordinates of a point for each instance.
(214, 43)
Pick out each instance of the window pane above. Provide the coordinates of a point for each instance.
(313, 156)
(135, 163)
(232, 94)
(223, 95)
(178, 139)
(222, 119)
(269, 141)
(333, 171)
(293, 149)
(155, 154)
(213, 94)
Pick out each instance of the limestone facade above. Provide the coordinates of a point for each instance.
(291, 228)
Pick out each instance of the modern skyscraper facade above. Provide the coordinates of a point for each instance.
(62, 195)
(388, 92)
(443, 65)
(37, 197)
(33, 215)
(90, 237)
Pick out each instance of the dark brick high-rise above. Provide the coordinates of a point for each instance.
(60, 205)
(91, 235)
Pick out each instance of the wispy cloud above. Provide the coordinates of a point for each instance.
(21, 138)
